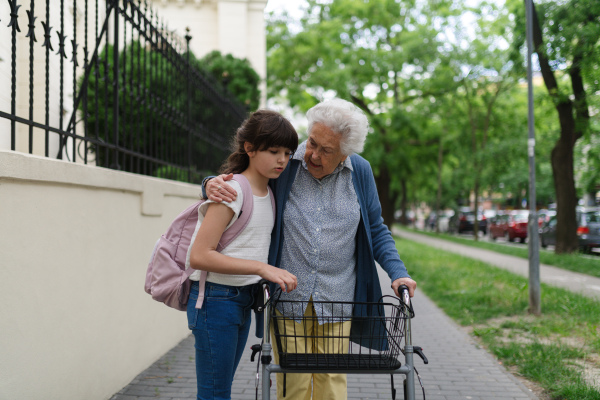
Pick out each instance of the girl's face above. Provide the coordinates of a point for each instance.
(271, 162)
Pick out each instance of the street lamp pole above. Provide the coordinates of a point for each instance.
(534, 240)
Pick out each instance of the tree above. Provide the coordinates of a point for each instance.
(566, 35)
(236, 74)
(485, 119)
(380, 55)
(481, 89)
(443, 98)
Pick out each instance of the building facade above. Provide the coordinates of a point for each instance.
(234, 27)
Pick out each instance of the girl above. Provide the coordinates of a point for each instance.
(262, 148)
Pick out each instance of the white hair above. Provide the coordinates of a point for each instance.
(344, 118)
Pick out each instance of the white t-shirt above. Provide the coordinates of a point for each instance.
(251, 244)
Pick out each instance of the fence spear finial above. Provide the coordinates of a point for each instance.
(47, 29)
(14, 14)
(61, 44)
(31, 32)
(74, 59)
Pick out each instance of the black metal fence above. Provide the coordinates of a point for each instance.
(108, 84)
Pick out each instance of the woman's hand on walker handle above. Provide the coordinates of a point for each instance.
(218, 190)
(412, 286)
(281, 277)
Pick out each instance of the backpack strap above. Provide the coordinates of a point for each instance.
(245, 213)
(236, 228)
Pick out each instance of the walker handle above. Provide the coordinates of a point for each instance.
(405, 298)
(266, 289)
(404, 294)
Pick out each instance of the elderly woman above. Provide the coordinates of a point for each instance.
(328, 231)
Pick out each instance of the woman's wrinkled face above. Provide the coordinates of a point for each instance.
(323, 151)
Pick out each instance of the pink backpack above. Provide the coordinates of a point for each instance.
(166, 277)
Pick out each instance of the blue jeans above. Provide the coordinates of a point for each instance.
(221, 329)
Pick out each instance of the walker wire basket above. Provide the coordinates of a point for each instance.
(348, 336)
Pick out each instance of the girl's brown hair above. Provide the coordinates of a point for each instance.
(263, 129)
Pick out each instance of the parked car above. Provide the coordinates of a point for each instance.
(517, 227)
(510, 225)
(498, 226)
(489, 214)
(544, 216)
(442, 219)
(464, 221)
(588, 229)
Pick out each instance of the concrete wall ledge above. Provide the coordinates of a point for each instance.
(26, 167)
(74, 248)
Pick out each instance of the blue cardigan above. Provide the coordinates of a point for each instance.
(374, 241)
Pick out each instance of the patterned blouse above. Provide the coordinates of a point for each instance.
(320, 222)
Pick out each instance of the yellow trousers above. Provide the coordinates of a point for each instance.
(320, 386)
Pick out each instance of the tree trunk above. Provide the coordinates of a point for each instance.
(438, 197)
(403, 203)
(383, 179)
(383, 188)
(564, 184)
(475, 208)
(562, 154)
(475, 165)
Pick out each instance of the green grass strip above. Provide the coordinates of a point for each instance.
(582, 263)
(551, 366)
(548, 349)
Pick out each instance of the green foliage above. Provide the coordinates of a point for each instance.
(165, 112)
(181, 174)
(234, 73)
(138, 106)
(587, 164)
(426, 81)
(382, 56)
(571, 44)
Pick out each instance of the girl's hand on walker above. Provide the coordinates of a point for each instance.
(283, 278)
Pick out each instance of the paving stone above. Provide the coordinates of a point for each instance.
(458, 368)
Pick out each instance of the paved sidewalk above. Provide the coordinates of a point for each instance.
(457, 369)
